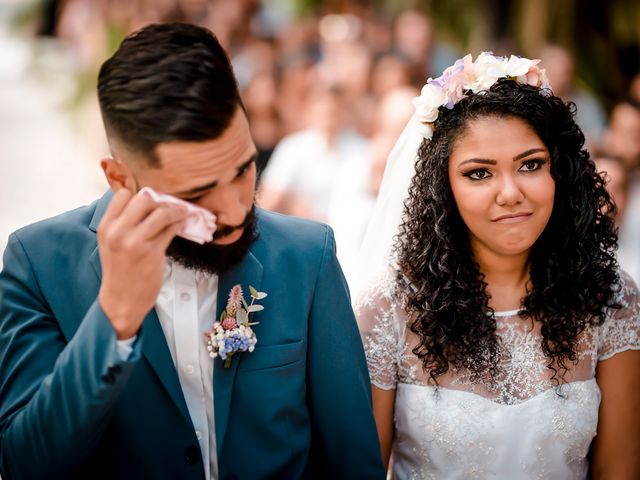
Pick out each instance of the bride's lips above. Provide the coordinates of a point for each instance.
(513, 217)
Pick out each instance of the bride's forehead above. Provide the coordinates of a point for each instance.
(494, 131)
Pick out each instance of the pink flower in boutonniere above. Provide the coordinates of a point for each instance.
(235, 300)
(229, 323)
(233, 332)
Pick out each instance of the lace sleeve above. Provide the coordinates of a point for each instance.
(621, 329)
(382, 333)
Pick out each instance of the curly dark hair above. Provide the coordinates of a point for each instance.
(573, 267)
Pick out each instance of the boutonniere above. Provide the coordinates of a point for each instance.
(233, 332)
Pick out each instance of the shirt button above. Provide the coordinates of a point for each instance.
(198, 434)
(189, 369)
(192, 454)
(185, 297)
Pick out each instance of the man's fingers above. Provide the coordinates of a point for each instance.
(138, 208)
(117, 205)
(164, 237)
(135, 222)
(125, 211)
(158, 220)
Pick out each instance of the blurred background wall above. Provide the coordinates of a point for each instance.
(327, 86)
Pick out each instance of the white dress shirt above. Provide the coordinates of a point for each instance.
(186, 308)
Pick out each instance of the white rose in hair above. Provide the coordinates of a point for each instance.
(488, 69)
(516, 66)
(431, 98)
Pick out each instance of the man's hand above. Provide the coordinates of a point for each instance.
(133, 237)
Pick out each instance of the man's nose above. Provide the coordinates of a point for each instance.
(230, 209)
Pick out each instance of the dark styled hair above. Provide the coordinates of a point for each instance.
(573, 267)
(167, 82)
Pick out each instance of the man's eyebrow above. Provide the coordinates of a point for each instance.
(252, 159)
(197, 190)
(527, 153)
(203, 188)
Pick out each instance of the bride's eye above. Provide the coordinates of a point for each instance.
(531, 165)
(478, 174)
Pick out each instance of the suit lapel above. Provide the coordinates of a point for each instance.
(154, 344)
(94, 260)
(101, 207)
(247, 272)
(156, 351)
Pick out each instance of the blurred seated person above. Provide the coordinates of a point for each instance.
(560, 67)
(300, 175)
(634, 88)
(622, 140)
(259, 98)
(616, 178)
(389, 72)
(623, 135)
(415, 39)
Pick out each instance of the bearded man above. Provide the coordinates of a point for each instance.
(106, 315)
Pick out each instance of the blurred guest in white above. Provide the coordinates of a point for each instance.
(358, 179)
(560, 66)
(616, 177)
(622, 139)
(300, 175)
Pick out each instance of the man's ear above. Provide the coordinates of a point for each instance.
(118, 174)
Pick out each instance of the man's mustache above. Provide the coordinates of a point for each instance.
(227, 230)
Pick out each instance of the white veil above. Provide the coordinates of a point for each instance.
(375, 254)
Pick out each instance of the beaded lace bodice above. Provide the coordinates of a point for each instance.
(520, 417)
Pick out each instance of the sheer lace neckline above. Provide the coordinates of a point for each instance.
(559, 390)
(522, 370)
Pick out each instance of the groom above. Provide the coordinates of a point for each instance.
(104, 367)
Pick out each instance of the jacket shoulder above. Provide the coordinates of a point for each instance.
(62, 231)
(292, 232)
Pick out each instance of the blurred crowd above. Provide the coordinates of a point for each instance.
(329, 92)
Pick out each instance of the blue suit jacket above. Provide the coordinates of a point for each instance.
(299, 406)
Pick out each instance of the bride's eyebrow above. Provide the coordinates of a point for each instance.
(488, 161)
(483, 161)
(531, 151)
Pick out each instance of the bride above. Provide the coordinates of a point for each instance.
(501, 337)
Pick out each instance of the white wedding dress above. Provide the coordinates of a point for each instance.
(520, 425)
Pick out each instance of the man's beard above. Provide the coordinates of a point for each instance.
(212, 258)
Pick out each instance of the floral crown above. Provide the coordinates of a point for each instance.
(468, 76)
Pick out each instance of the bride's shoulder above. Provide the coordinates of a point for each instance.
(626, 287)
(626, 299)
(621, 328)
(381, 292)
(380, 304)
